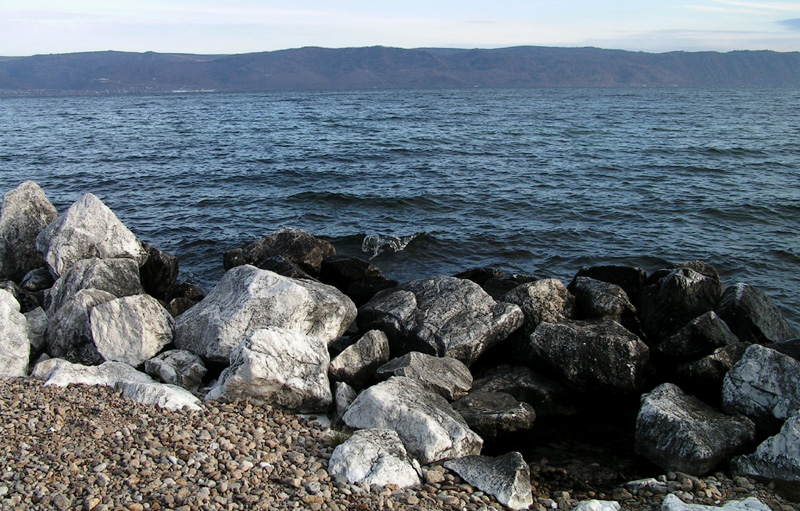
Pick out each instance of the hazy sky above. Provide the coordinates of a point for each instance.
(29, 27)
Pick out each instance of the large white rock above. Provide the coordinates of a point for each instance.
(597, 505)
(120, 277)
(375, 456)
(165, 396)
(177, 367)
(132, 329)
(25, 213)
(673, 503)
(15, 347)
(506, 477)
(61, 372)
(428, 426)
(279, 367)
(87, 229)
(247, 299)
(778, 457)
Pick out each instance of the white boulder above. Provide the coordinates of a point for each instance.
(25, 213)
(374, 456)
(165, 396)
(15, 346)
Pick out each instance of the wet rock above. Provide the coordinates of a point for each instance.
(595, 299)
(120, 277)
(159, 271)
(69, 330)
(545, 300)
(442, 316)
(678, 432)
(506, 477)
(698, 338)
(777, 458)
(15, 347)
(547, 396)
(25, 212)
(494, 414)
(673, 503)
(37, 326)
(61, 372)
(87, 229)
(358, 362)
(295, 245)
(446, 376)
(177, 367)
(355, 277)
(753, 316)
(376, 457)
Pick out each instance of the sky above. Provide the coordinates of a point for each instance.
(29, 27)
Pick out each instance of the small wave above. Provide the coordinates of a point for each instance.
(378, 244)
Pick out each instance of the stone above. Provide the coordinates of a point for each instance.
(673, 503)
(777, 458)
(442, 316)
(597, 505)
(548, 397)
(355, 277)
(680, 433)
(506, 477)
(753, 316)
(630, 278)
(790, 347)
(592, 356)
(61, 372)
(36, 321)
(764, 385)
(545, 300)
(698, 338)
(177, 367)
(87, 229)
(25, 212)
(481, 275)
(69, 330)
(279, 367)
(27, 301)
(376, 457)
(37, 279)
(120, 277)
(295, 245)
(595, 299)
(499, 287)
(247, 299)
(358, 362)
(159, 271)
(426, 423)
(15, 347)
(446, 376)
(493, 415)
(343, 397)
(703, 378)
(132, 329)
(282, 266)
(171, 397)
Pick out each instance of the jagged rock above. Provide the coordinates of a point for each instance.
(426, 423)
(355, 277)
(247, 299)
(481, 275)
(295, 245)
(443, 316)
(343, 397)
(679, 432)
(446, 376)
(595, 299)
(547, 397)
(61, 372)
(764, 385)
(159, 271)
(37, 325)
(177, 367)
(703, 378)
(27, 301)
(698, 338)
(594, 356)
(279, 367)
(675, 299)
(25, 213)
(597, 505)
(358, 362)
(506, 477)
(374, 456)
(777, 458)
(171, 397)
(629, 278)
(69, 330)
(494, 414)
(120, 277)
(753, 316)
(545, 300)
(132, 329)
(87, 229)
(499, 287)
(15, 347)
(181, 297)
(37, 280)
(282, 266)
(672, 503)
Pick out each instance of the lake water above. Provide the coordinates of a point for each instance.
(538, 181)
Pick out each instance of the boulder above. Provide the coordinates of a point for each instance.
(61, 372)
(37, 326)
(597, 505)
(181, 297)
(631, 279)
(446, 376)
(282, 266)
(494, 414)
(120, 277)
(698, 338)
(87, 229)
(247, 299)
(27, 301)
(278, 367)
(376, 457)
(69, 330)
(499, 287)
(703, 378)
(592, 356)
(355, 277)
(358, 362)
(15, 347)
(426, 423)
(295, 245)
(24, 214)
(753, 316)
(171, 397)
(442, 316)
(545, 300)
(481, 275)
(680, 433)
(672, 503)
(159, 271)
(790, 347)
(675, 299)
(548, 397)
(177, 367)
(343, 397)
(777, 458)
(595, 299)
(507, 477)
(764, 385)
(37, 280)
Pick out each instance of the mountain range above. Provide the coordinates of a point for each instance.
(313, 68)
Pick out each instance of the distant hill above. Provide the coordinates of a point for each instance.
(381, 67)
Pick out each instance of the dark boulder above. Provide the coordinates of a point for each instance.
(37, 280)
(283, 266)
(355, 277)
(499, 287)
(545, 300)
(753, 316)
(698, 338)
(295, 245)
(493, 415)
(159, 271)
(481, 275)
(548, 397)
(28, 301)
(181, 297)
(703, 378)
(595, 299)
(629, 278)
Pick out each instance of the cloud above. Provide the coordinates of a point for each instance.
(791, 24)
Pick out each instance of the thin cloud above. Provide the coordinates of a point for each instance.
(791, 24)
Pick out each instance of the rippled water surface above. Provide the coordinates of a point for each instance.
(533, 181)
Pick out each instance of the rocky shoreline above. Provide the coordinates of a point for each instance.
(472, 391)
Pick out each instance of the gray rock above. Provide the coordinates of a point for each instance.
(595, 299)
(295, 245)
(279, 367)
(703, 378)
(631, 279)
(69, 330)
(680, 433)
(27, 300)
(443, 316)
(673, 503)
(547, 397)
(545, 300)
(159, 271)
(282, 266)
(177, 367)
(764, 385)
(171, 397)
(25, 213)
(698, 338)
(120, 277)
(247, 299)
(426, 423)
(15, 347)
(444, 375)
(343, 397)
(597, 505)
(355, 277)
(777, 458)
(753, 316)
(61, 372)
(37, 279)
(506, 477)
(87, 229)
(494, 414)
(593, 356)
(358, 362)
(37, 326)
(376, 457)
